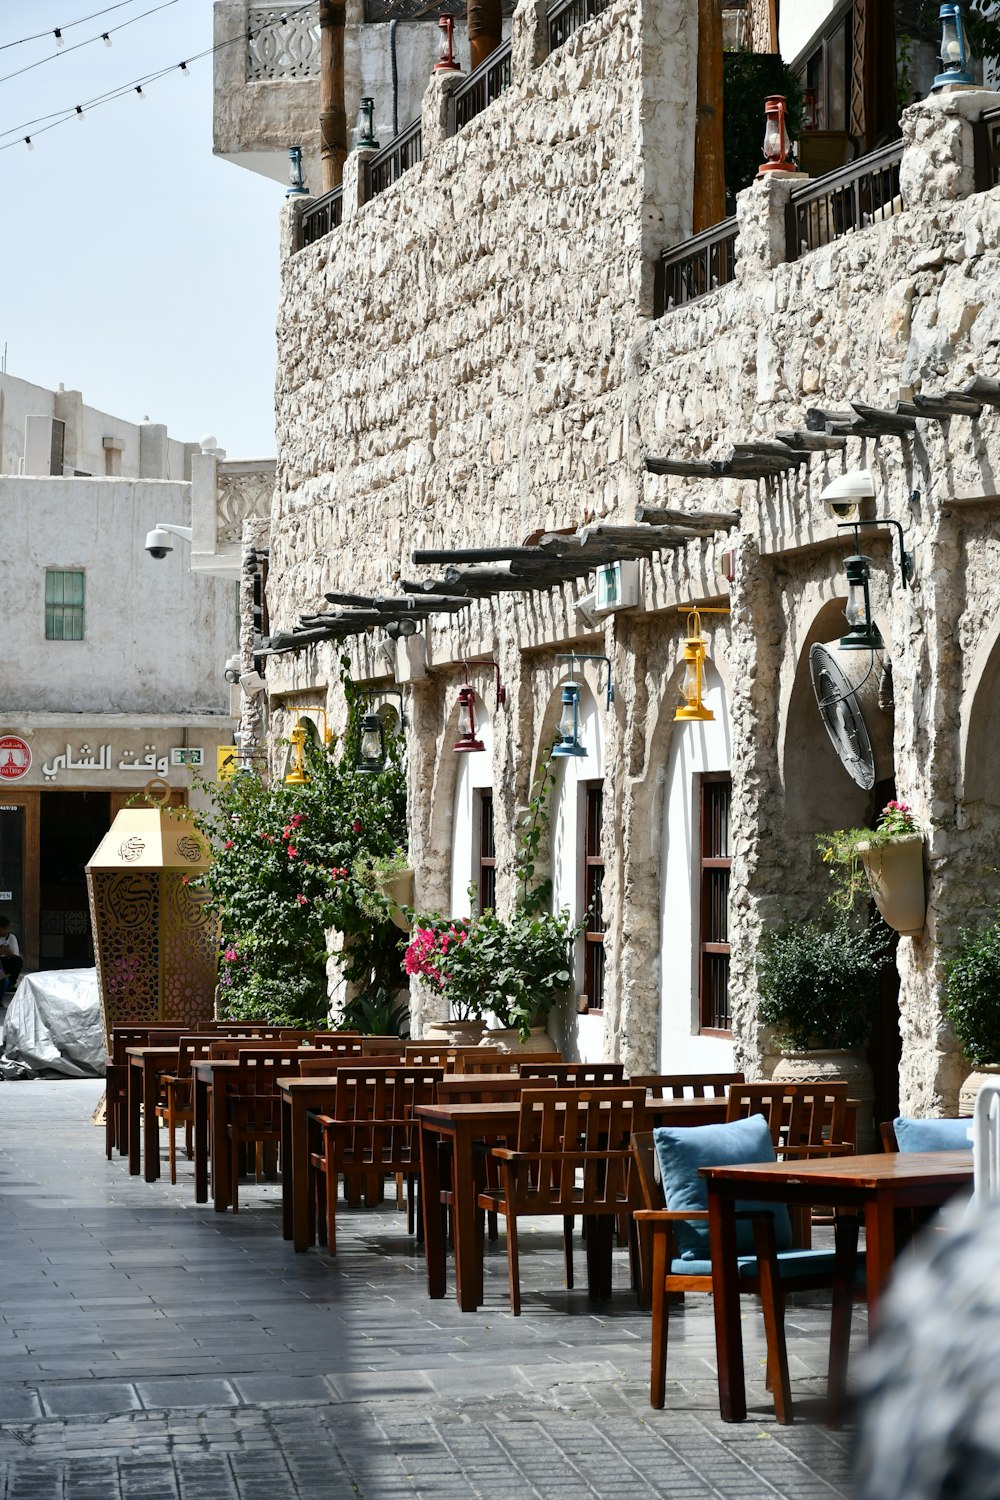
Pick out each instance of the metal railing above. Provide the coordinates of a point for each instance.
(987, 150)
(567, 16)
(481, 87)
(389, 164)
(320, 217)
(695, 267)
(864, 192)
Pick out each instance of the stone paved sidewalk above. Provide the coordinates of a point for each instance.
(154, 1350)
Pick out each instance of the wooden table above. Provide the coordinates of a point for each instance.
(298, 1096)
(145, 1064)
(208, 1087)
(460, 1126)
(873, 1185)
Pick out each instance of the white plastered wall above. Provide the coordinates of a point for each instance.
(694, 749)
(475, 771)
(578, 1037)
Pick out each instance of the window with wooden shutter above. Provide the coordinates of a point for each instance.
(715, 863)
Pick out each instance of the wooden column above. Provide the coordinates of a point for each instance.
(709, 205)
(485, 23)
(332, 116)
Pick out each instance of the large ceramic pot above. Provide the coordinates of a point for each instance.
(509, 1040)
(970, 1088)
(824, 1066)
(455, 1033)
(896, 875)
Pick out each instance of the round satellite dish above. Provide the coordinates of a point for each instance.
(842, 714)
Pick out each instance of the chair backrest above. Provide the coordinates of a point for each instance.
(252, 1032)
(427, 1054)
(646, 1172)
(188, 1048)
(986, 1141)
(142, 1035)
(485, 1060)
(585, 1138)
(805, 1119)
(576, 1075)
(339, 1046)
(258, 1071)
(385, 1094)
(374, 1046)
(686, 1085)
(477, 1088)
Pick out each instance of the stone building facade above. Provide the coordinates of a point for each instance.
(471, 358)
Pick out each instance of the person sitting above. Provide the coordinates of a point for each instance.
(10, 957)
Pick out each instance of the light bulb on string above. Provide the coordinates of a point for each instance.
(138, 89)
(105, 38)
(79, 111)
(184, 69)
(60, 39)
(29, 143)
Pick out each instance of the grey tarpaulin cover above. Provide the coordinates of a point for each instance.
(54, 1024)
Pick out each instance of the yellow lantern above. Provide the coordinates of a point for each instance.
(694, 674)
(298, 775)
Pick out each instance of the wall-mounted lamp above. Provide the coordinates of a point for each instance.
(863, 633)
(371, 751)
(954, 46)
(364, 136)
(777, 145)
(297, 775)
(569, 742)
(693, 708)
(468, 741)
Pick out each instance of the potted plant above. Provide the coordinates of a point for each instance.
(377, 1012)
(431, 957)
(891, 856)
(818, 983)
(972, 1005)
(385, 881)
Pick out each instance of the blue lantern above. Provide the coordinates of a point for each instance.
(954, 45)
(568, 742)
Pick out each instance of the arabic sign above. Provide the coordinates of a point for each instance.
(88, 759)
(15, 757)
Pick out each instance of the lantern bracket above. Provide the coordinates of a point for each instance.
(487, 661)
(371, 694)
(907, 571)
(573, 656)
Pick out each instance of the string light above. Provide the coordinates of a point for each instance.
(68, 26)
(138, 89)
(106, 38)
(60, 39)
(59, 117)
(29, 143)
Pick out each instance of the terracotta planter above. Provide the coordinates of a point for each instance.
(509, 1040)
(397, 887)
(822, 1067)
(896, 876)
(455, 1033)
(970, 1088)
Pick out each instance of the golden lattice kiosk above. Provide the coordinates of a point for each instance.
(155, 941)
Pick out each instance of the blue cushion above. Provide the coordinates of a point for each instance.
(681, 1152)
(791, 1264)
(932, 1135)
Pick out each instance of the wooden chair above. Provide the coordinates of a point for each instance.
(429, 1055)
(801, 1120)
(388, 1047)
(176, 1106)
(576, 1075)
(130, 1034)
(253, 1107)
(371, 1131)
(230, 1047)
(487, 1060)
(686, 1085)
(572, 1157)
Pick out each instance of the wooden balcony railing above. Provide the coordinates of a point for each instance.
(987, 149)
(481, 87)
(864, 192)
(320, 217)
(695, 267)
(389, 164)
(567, 16)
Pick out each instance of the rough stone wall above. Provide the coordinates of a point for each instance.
(467, 360)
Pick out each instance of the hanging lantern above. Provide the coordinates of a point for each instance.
(693, 707)
(371, 745)
(954, 46)
(777, 145)
(863, 634)
(468, 739)
(568, 742)
(364, 135)
(297, 775)
(446, 57)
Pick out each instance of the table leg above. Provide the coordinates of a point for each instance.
(430, 1205)
(221, 1196)
(200, 1089)
(150, 1122)
(300, 1207)
(464, 1193)
(880, 1250)
(134, 1116)
(287, 1168)
(726, 1297)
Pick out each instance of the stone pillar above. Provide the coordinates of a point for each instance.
(435, 109)
(939, 148)
(291, 214)
(760, 215)
(253, 710)
(356, 180)
(529, 38)
(429, 824)
(153, 463)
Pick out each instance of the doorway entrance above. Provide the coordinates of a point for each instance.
(72, 826)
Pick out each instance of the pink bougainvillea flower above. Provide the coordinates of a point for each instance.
(292, 852)
(302, 900)
(230, 955)
(356, 826)
(296, 820)
(229, 843)
(184, 880)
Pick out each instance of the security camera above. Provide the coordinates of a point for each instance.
(583, 608)
(159, 543)
(252, 683)
(234, 667)
(843, 496)
(396, 628)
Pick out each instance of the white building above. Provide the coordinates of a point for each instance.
(112, 669)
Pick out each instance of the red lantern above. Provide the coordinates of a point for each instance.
(446, 58)
(777, 146)
(468, 740)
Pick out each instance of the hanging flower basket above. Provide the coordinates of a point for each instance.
(895, 871)
(397, 887)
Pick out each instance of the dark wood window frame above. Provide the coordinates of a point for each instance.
(485, 861)
(713, 865)
(592, 876)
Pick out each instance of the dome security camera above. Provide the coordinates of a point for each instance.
(159, 543)
(233, 669)
(843, 496)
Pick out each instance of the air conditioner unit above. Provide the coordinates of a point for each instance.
(616, 586)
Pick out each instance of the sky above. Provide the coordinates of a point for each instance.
(135, 266)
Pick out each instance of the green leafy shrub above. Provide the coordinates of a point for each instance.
(819, 982)
(972, 995)
(377, 1014)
